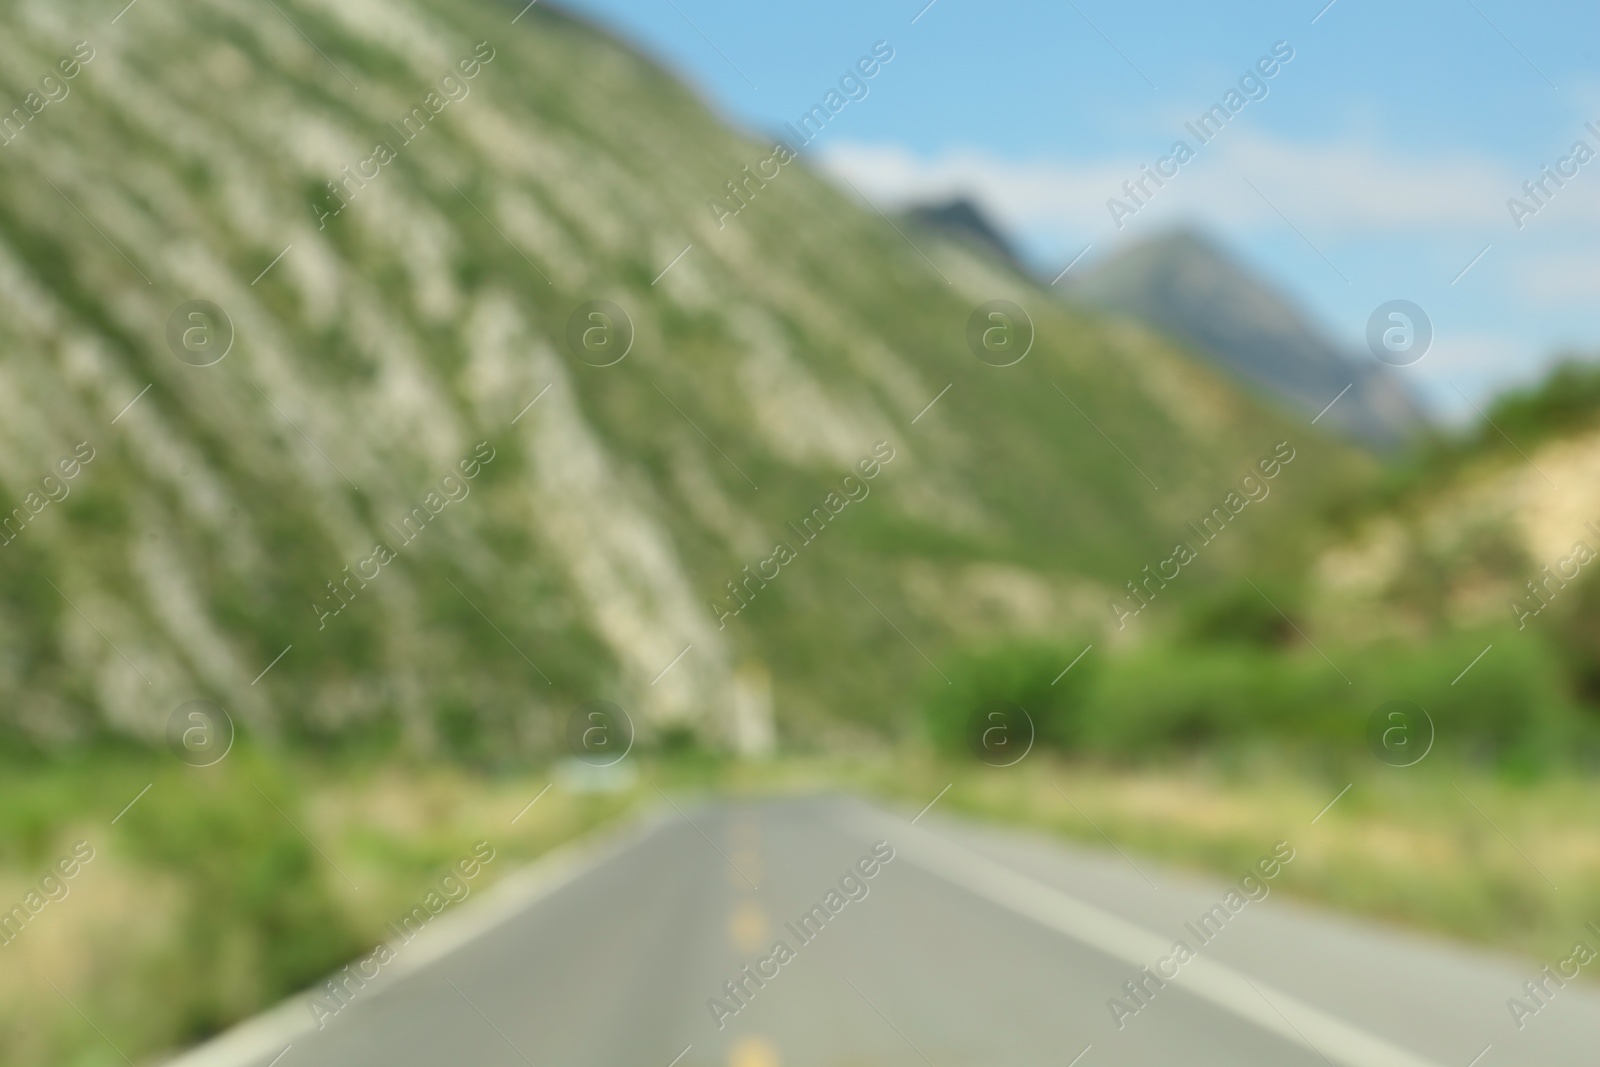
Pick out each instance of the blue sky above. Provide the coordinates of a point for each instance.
(1377, 166)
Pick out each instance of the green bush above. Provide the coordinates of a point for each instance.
(1566, 401)
(259, 919)
(1573, 624)
(1514, 708)
(1238, 614)
(974, 712)
(1164, 700)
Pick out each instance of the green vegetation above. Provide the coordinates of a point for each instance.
(375, 355)
(422, 717)
(1521, 707)
(204, 903)
(975, 712)
(1412, 846)
(1565, 402)
(1562, 404)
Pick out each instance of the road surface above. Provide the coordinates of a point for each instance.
(968, 947)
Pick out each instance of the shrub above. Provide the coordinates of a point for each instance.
(961, 715)
(1513, 706)
(259, 920)
(1164, 700)
(1238, 614)
(1575, 632)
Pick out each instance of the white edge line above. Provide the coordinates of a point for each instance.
(1294, 1020)
(521, 13)
(257, 1037)
(124, 11)
(1324, 11)
(924, 11)
(1086, 1049)
(286, 1049)
(131, 803)
(686, 1048)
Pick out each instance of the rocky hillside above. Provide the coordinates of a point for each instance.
(408, 369)
(1494, 527)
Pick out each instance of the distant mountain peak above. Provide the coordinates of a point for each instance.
(1186, 284)
(962, 218)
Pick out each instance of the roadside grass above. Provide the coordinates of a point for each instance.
(205, 903)
(1461, 850)
(1450, 849)
(223, 890)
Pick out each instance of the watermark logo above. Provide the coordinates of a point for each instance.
(852, 887)
(1538, 991)
(999, 333)
(352, 181)
(341, 989)
(1137, 192)
(1002, 733)
(1400, 733)
(199, 333)
(53, 887)
(52, 90)
(200, 733)
(1542, 188)
(1253, 487)
(1253, 887)
(599, 733)
(744, 586)
(600, 333)
(1399, 333)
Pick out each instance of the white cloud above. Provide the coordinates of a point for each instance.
(1559, 279)
(1410, 220)
(1019, 195)
(1340, 187)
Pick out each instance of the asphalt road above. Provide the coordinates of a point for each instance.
(969, 947)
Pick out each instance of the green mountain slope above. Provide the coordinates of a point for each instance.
(389, 336)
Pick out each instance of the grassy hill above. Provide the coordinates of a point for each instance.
(404, 214)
